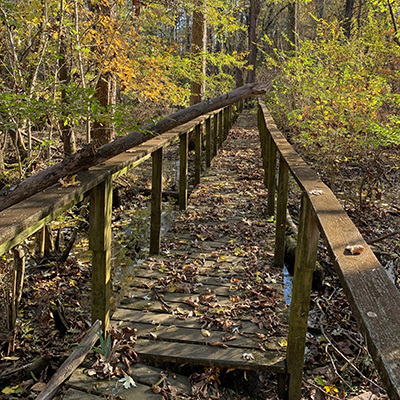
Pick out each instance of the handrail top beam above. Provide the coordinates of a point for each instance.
(374, 299)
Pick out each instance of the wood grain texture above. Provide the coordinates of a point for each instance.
(374, 299)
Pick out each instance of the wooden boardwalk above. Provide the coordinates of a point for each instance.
(212, 298)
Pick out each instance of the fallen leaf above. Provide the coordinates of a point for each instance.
(127, 382)
(38, 386)
(156, 389)
(218, 344)
(205, 333)
(357, 249)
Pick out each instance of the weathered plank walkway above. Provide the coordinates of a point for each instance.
(212, 297)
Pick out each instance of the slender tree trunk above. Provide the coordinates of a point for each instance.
(102, 131)
(348, 16)
(199, 44)
(198, 54)
(292, 26)
(252, 29)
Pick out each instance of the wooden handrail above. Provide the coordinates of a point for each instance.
(23, 219)
(374, 299)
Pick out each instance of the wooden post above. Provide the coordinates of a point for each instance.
(100, 244)
(263, 140)
(306, 256)
(281, 207)
(208, 142)
(220, 129)
(197, 158)
(215, 135)
(271, 176)
(183, 171)
(226, 122)
(156, 201)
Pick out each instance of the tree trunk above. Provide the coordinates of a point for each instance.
(348, 15)
(199, 46)
(102, 130)
(199, 43)
(68, 136)
(292, 26)
(90, 156)
(252, 28)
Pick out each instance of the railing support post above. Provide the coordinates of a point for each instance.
(208, 142)
(100, 245)
(197, 157)
(262, 129)
(271, 175)
(220, 129)
(281, 210)
(156, 201)
(183, 171)
(215, 135)
(226, 122)
(306, 256)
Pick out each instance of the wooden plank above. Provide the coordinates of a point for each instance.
(149, 376)
(74, 394)
(183, 171)
(209, 356)
(81, 381)
(156, 201)
(374, 299)
(194, 335)
(100, 244)
(125, 316)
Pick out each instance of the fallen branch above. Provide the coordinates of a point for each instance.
(71, 363)
(379, 239)
(92, 155)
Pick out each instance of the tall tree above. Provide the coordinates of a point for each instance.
(347, 18)
(102, 129)
(292, 25)
(199, 45)
(254, 10)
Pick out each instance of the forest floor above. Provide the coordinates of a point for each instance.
(337, 364)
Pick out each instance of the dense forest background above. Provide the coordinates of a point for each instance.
(73, 71)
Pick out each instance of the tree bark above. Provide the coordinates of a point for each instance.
(348, 15)
(292, 26)
(252, 28)
(102, 130)
(199, 43)
(91, 155)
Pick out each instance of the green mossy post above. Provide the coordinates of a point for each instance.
(281, 208)
(271, 175)
(183, 171)
(215, 135)
(208, 142)
(100, 245)
(220, 129)
(197, 158)
(156, 201)
(306, 257)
